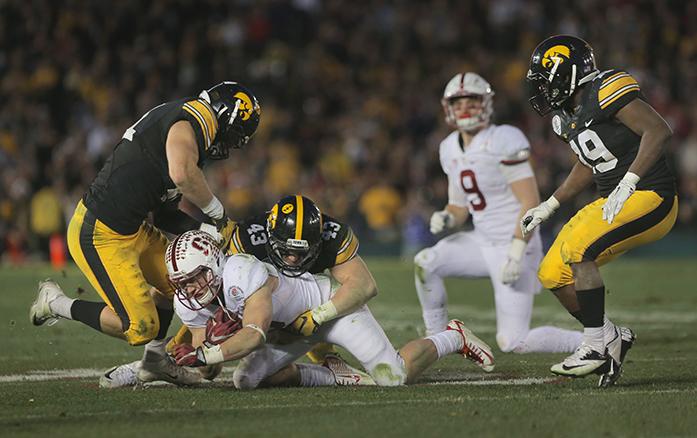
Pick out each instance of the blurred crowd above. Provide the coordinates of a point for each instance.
(350, 95)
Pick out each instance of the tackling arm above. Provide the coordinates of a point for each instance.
(182, 159)
(357, 286)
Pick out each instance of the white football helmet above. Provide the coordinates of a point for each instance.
(462, 85)
(195, 268)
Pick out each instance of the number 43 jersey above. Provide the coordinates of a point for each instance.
(339, 244)
(602, 142)
(479, 177)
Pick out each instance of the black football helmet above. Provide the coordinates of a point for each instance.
(558, 66)
(238, 113)
(294, 226)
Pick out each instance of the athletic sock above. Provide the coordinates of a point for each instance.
(592, 303)
(578, 315)
(61, 306)
(87, 312)
(608, 330)
(434, 300)
(594, 337)
(165, 316)
(549, 339)
(447, 342)
(315, 375)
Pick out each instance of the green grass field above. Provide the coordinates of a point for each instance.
(657, 395)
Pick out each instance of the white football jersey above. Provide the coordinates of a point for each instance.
(244, 274)
(479, 178)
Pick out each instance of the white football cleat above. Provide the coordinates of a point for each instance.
(582, 362)
(617, 350)
(161, 367)
(120, 376)
(473, 349)
(345, 374)
(40, 312)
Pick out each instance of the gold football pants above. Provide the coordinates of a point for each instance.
(122, 269)
(644, 218)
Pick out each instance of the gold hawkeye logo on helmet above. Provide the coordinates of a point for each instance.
(273, 216)
(554, 55)
(246, 107)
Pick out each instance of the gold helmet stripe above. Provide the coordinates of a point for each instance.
(299, 217)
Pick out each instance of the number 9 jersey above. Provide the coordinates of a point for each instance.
(339, 244)
(602, 142)
(479, 177)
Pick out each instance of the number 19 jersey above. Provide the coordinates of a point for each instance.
(479, 177)
(602, 142)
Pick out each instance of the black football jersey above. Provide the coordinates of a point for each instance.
(602, 142)
(135, 178)
(339, 244)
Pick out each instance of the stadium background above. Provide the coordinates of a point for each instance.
(350, 95)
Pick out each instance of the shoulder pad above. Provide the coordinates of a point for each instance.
(616, 88)
(244, 272)
(206, 120)
(510, 144)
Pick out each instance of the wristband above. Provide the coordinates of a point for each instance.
(213, 355)
(325, 312)
(552, 203)
(258, 330)
(214, 209)
(631, 178)
(517, 248)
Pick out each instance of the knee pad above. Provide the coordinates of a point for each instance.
(244, 380)
(553, 273)
(386, 374)
(422, 263)
(142, 331)
(506, 342)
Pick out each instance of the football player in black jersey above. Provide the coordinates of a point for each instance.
(618, 139)
(158, 161)
(296, 237)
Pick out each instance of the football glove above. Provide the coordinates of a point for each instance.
(536, 215)
(188, 356)
(304, 325)
(222, 326)
(441, 220)
(511, 270)
(221, 230)
(619, 196)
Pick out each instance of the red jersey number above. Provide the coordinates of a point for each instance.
(469, 185)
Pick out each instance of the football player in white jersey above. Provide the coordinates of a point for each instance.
(266, 302)
(489, 178)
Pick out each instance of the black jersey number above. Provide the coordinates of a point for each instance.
(257, 234)
(593, 152)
